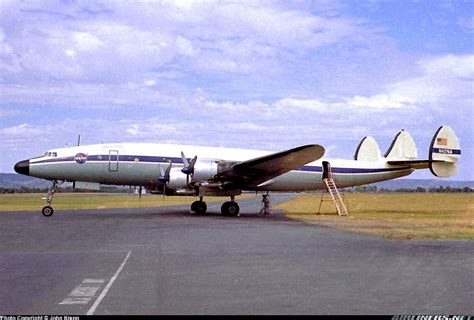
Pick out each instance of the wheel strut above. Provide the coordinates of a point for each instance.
(47, 210)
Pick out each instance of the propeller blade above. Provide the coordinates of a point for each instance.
(188, 168)
(139, 193)
(166, 177)
(191, 165)
(167, 173)
(185, 161)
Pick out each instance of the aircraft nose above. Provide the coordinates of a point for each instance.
(23, 167)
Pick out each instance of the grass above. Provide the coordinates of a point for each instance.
(74, 201)
(394, 216)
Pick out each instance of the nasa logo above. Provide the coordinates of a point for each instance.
(80, 158)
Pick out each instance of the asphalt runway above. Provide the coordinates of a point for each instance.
(165, 260)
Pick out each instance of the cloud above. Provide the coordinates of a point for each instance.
(19, 137)
(185, 47)
(381, 101)
(442, 77)
(109, 42)
(4, 113)
(84, 41)
(310, 104)
(357, 103)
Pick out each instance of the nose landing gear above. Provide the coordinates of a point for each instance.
(47, 210)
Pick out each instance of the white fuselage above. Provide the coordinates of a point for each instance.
(139, 164)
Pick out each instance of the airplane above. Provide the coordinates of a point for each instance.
(226, 172)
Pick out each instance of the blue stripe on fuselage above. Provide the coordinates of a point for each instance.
(123, 158)
(153, 159)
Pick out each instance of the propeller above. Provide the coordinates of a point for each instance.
(165, 176)
(139, 193)
(188, 167)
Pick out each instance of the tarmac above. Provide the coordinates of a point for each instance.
(165, 260)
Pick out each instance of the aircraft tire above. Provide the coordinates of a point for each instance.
(225, 208)
(47, 211)
(200, 207)
(230, 209)
(234, 209)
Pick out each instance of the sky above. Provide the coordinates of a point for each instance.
(267, 75)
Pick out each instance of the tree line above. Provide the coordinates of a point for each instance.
(440, 189)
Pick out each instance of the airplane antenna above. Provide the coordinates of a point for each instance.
(78, 140)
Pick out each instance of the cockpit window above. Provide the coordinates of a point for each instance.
(51, 154)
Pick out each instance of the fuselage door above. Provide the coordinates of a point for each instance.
(113, 160)
(326, 170)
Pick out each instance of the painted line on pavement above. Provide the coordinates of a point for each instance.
(83, 293)
(107, 287)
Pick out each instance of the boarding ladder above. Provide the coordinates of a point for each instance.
(335, 196)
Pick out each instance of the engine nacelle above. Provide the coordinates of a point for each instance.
(177, 179)
(205, 170)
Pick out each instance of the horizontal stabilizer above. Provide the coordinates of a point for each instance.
(368, 150)
(414, 164)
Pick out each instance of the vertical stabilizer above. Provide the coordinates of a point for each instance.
(403, 147)
(444, 147)
(368, 150)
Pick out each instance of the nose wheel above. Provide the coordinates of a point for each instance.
(47, 210)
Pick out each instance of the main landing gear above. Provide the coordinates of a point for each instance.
(200, 207)
(228, 209)
(47, 210)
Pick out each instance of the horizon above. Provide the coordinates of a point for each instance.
(268, 75)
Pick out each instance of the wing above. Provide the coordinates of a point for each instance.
(255, 171)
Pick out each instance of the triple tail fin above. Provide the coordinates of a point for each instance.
(368, 150)
(443, 154)
(403, 147)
